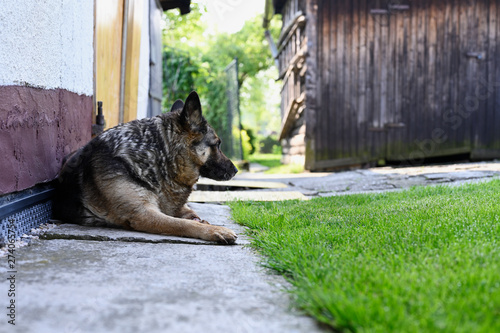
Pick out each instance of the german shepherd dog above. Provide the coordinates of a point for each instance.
(139, 175)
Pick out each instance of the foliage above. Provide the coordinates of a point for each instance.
(252, 140)
(246, 145)
(273, 162)
(214, 98)
(248, 45)
(268, 160)
(268, 144)
(422, 260)
(185, 32)
(179, 72)
(290, 168)
(195, 60)
(260, 109)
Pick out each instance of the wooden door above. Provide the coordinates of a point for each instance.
(432, 77)
(108, 57)
(133, 49)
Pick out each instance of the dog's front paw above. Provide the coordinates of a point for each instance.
(223, 235)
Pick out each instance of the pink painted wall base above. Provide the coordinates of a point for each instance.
(38, 127)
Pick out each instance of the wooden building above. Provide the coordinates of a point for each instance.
(370, 81)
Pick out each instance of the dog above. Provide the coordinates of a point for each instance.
(139, 175)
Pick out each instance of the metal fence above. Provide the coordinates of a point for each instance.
(231, 140)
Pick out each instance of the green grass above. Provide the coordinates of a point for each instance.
(273, 162)
(423, 260)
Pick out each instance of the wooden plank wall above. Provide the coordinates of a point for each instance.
(292, 49)
(133, 51)
(404, 84)
(108, 52)
(109, 29)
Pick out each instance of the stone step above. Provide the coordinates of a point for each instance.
(242, 183)
(219, 196)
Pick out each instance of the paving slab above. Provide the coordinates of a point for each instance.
(219, 216)
(241, 183)
(217, 196)
(376, 180)
(74, 285)
(78, 232)
(493, 166)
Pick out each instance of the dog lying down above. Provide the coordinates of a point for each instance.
(139, 175)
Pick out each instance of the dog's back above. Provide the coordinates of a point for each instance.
(139, 152)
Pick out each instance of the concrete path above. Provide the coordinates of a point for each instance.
(379, 179)
(309, 185)
(77, 279)
(80, 279)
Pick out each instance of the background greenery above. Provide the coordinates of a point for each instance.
(195, 59)
(273, 162)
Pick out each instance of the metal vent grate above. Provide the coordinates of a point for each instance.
(27, 219)
(24, 211)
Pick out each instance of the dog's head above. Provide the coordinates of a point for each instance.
(205, 144)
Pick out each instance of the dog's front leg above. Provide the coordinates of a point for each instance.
(188, 213)
(151, 219)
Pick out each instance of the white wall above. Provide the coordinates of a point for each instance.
(48, 44)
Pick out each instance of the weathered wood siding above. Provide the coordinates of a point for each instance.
(401, 82)
(292, 50)
(407, 82)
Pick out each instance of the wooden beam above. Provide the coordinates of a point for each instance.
(311, 88)
(297, 61)
(183, 5)
(133, 45)
(108, 53)
(289, 116)
(290, 29)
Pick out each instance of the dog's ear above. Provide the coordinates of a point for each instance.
(178, 105)
(191, 117)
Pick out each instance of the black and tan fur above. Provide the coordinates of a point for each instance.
(139, 175)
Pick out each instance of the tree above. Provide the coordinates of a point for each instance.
(260, 109)
(248, 45)
(195, 60)
(179, 71)
(185, 32)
